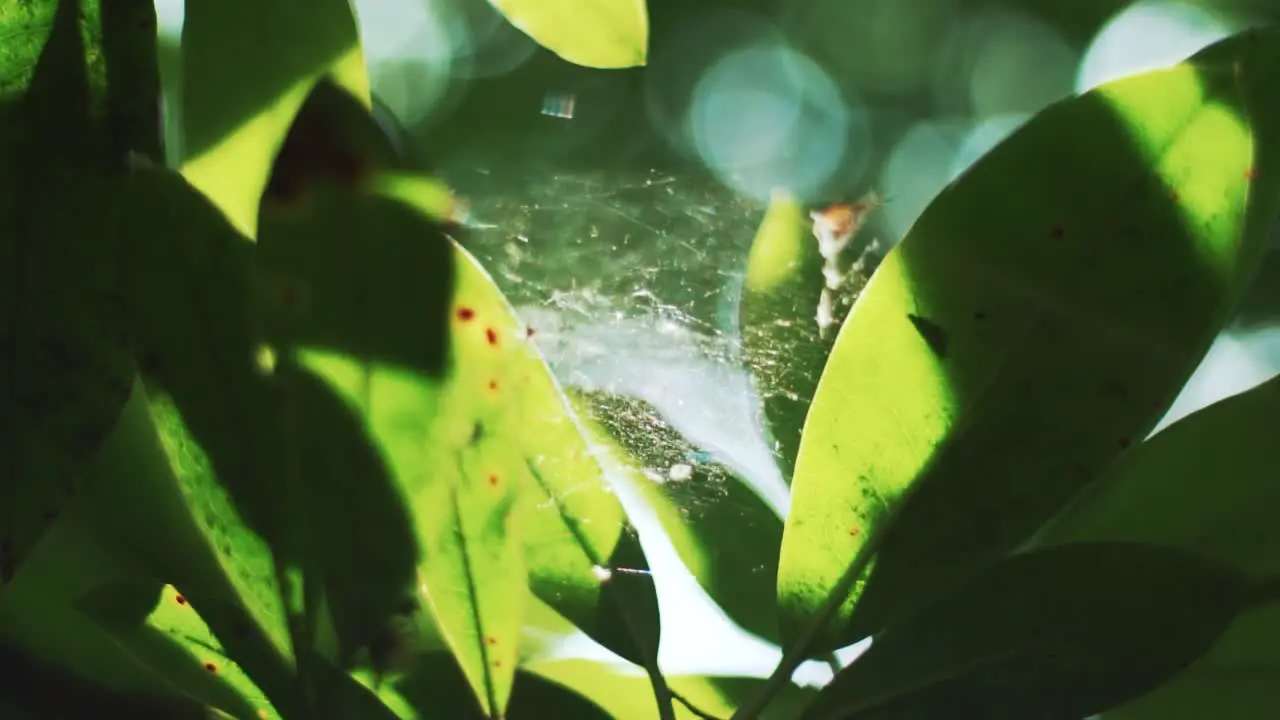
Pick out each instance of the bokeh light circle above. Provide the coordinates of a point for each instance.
(767, 116)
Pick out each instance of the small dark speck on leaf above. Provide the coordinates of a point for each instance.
(980, 315)
(182, 600)
(491, 335)
(477, 433)
(211, 667)
(1057, 233)
(932, 333)
(1125, 442)
(466, 313)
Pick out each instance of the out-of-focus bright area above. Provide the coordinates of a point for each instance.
(829, 98)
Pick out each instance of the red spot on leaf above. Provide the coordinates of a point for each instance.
(211, 667)
(466, 313)
(182, 600)
(492, 335)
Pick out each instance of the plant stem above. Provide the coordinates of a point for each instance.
(799, 650)
(692, 708)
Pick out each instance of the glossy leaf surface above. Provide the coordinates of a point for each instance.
(980, 381)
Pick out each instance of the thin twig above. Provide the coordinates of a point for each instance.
(691, 707)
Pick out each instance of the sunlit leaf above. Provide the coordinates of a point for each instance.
(725, 534)
(362, 284)
(584, 557)
(594, 33)
(1056, 634)
(62, 338)
(238, 106)
(1159, 495)
(1000, 358)
(623, 695)
(175, 641)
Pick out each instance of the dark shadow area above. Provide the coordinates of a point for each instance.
(362, 536)
(34, 690)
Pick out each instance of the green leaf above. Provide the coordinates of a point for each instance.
(432, 687)
(725, 534)
(1059, 633)
(1239, 679)
(1036, 321)
(623, 695)
(173, 639)
(576, 531)
(594, 33)
(237, 107)
(36, 690)
(1158, 495)
(343, 278)
(62, 337)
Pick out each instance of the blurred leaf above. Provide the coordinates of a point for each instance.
(624, 695)
(1239, 679)
(1059, 633)
(1158, 495)
(39, 615)
(35, 689)
(238, 106)
(594, 33)
(1002, 355)
(63, 352)
(723, 532)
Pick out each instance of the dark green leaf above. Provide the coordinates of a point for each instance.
(1058, 633)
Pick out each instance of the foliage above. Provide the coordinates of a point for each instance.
(277, 446)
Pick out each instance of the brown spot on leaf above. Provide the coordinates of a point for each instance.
(1057, 232)
(528, 332)
(466, 313)
(1248, 173)
(1125, 442)
(493, 480)
(490, 640)
(491, 335)
(211, 667)
(181, 599)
